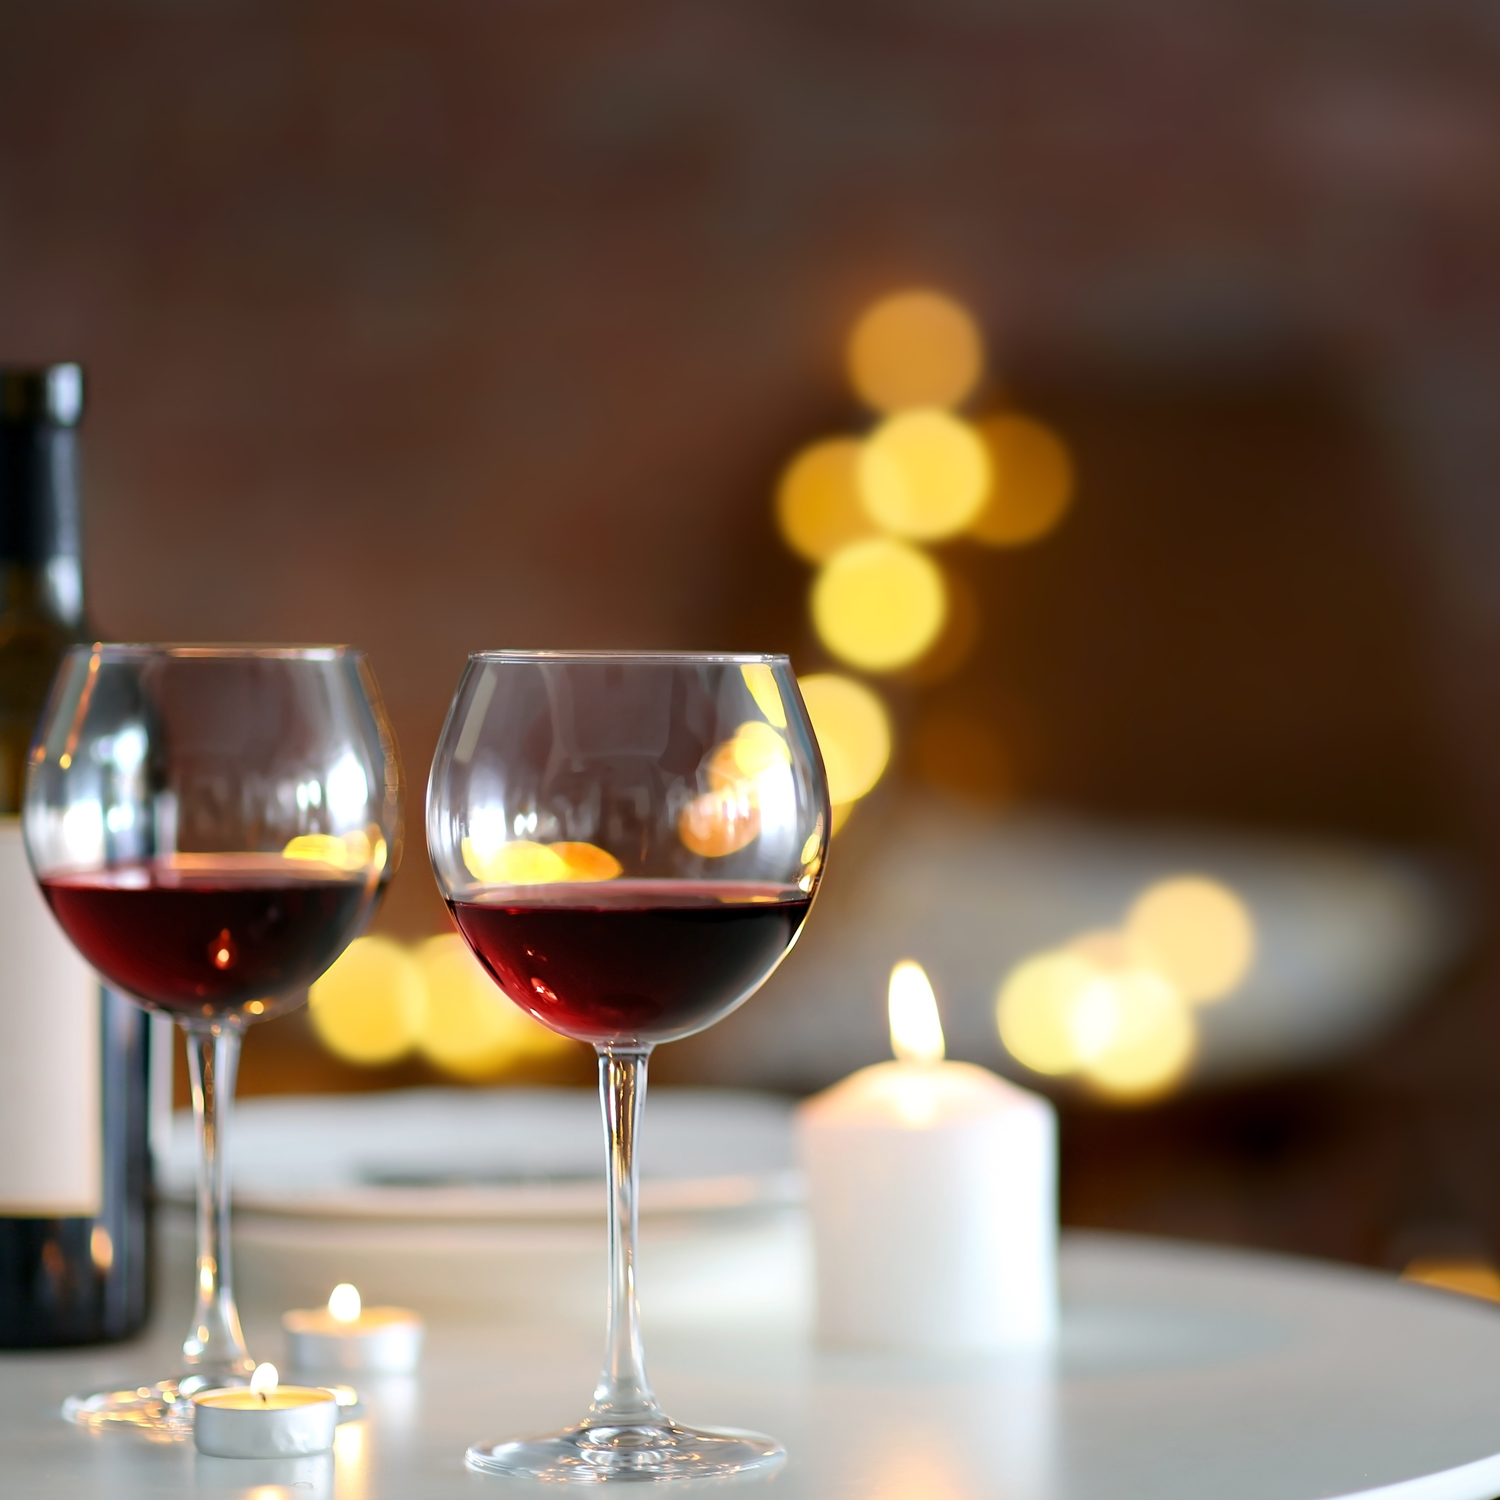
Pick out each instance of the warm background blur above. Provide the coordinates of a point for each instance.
(432, 327)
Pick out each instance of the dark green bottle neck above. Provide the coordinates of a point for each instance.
(41, 573)
(48, 594)
(38, 492)
(41, 582)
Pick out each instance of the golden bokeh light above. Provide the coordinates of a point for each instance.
(924, 474)
(1032, 482)
(838, 815)
(723, 771)
(522, 862)
(957, 639)
(1035, 1010)
(812, 845)
(812, 857)
(472, 1030)
(757, 748)
(818, 508)
(760, 682)
(1470, 1276)
(352, 851)
(854, 735)
(1093, 1008)
(879, 604)
(915, 348)
(1136, 1032)
(724, 819)
(1197, 932)
(518, 862)
(587, 861)
(370, 1007)
(317, 848)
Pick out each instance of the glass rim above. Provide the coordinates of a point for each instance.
(211, 650)
(654, 658)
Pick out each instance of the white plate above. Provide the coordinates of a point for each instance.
(492, 1154)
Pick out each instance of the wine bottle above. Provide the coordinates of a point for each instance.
(74, 1157)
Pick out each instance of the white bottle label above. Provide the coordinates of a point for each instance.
(51, 1130)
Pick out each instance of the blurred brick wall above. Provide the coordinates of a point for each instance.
(433, 326)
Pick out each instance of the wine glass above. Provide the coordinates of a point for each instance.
(629, 842)
(211, 826)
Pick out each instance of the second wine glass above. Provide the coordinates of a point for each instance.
(629, 843)
(211, 826)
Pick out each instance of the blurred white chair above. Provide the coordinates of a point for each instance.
(1348, 937)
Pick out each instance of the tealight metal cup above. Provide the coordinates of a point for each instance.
(292, 1421)
(381, 1341)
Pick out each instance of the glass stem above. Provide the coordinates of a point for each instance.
(215, 1346)
(623, 1396)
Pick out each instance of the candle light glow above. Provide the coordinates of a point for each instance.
(264, 1381)
(264, 1393)
(344, 1334)
(344, 1303)
(916, 1028)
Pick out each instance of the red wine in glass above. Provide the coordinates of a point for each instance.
(206, 935)
(211, 826)
(629, 842)
(632, 960)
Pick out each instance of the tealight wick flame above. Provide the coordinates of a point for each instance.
(264, 1381)
(916, 1031)
(344, 1303)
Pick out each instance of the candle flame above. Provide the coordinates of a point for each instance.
(264, 1381)
(344, 1303)
(916, 1031)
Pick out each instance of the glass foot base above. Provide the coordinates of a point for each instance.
(163, 1411)
(594, 1455)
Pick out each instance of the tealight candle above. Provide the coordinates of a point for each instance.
(933, 1191)
(347, 1336)
(264, 1419)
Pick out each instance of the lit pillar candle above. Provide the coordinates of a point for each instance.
(348, 1337)
(933, 1192)
(264, 1419)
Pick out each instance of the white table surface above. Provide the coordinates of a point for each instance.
(1184, 1373)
